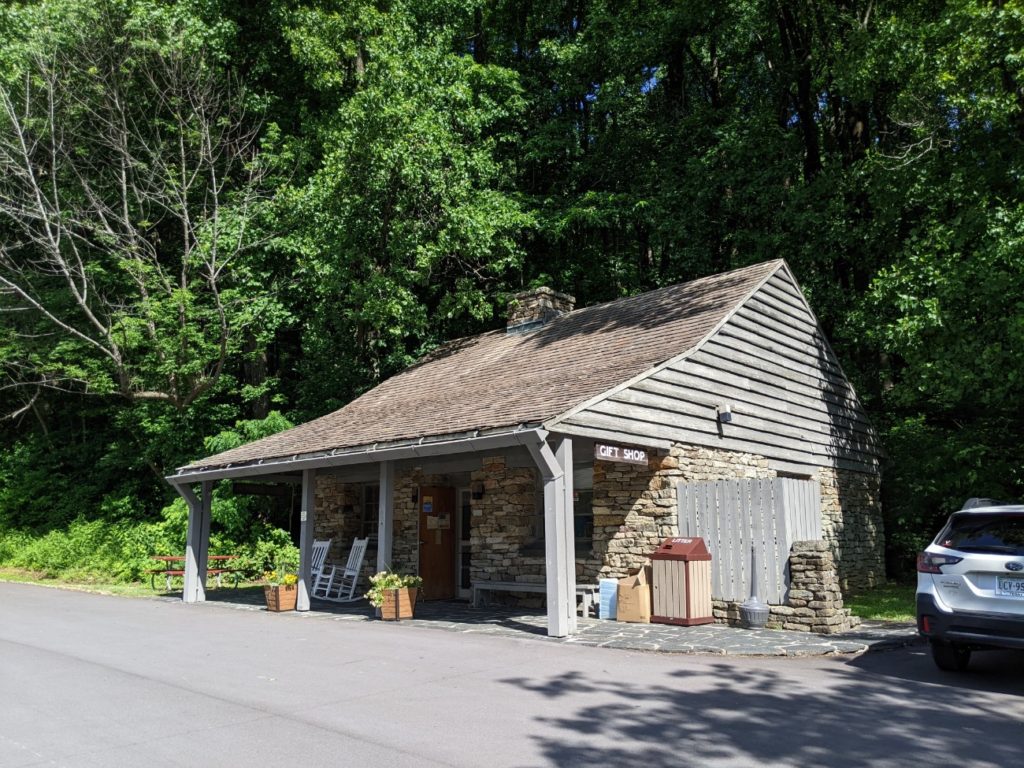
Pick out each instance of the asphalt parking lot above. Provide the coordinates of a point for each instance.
(91, 680)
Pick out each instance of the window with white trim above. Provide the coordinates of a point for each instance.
(370, 513)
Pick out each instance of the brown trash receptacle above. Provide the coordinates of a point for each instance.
(682, 582)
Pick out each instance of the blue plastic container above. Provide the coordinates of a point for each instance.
(609, 596)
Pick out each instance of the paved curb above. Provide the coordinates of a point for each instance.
(732, 641)
(709, 639)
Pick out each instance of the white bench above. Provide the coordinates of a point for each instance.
(587, 592)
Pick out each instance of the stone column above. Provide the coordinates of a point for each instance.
(815, 602)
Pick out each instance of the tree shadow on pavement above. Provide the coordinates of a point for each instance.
(785, 713)
(989, 671)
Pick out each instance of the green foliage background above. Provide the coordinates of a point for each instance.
(426, 158)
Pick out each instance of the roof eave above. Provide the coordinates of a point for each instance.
(424, 447)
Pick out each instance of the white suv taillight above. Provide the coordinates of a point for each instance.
(931, 563)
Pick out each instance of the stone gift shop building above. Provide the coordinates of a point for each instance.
(565, 447)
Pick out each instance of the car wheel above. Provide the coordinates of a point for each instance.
(949, 657)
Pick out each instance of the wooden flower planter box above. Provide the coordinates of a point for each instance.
(281, 598)
(398, 604)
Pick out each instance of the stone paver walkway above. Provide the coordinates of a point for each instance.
(662, 638)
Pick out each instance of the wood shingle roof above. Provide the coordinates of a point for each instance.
(496, 380)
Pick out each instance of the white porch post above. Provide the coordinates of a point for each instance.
(563, 453)
(554, 539)
(307, 530)
(197, 542)
(204, 541)
(385, 515)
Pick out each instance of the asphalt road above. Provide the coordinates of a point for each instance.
(90, 680)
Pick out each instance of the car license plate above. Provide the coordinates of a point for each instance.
(1010, 587)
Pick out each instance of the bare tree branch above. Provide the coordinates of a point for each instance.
(130, 177)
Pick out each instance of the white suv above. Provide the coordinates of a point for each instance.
(970, 583)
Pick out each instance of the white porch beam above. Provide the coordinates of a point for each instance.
(307, 530)
(554, 539)
(385, 515)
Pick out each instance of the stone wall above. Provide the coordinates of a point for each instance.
(852, 525)
(635, 507)
(815, 601)
(332, 495)
(503, 526)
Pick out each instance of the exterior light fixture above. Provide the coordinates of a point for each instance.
(477, 490)
(725, 413)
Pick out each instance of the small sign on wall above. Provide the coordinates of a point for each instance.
(620, 453)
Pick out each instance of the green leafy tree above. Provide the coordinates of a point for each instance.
(410, 228)
(130, 185)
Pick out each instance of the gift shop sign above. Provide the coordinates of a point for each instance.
(620, 453)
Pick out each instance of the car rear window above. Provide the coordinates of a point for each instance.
(1000, 533)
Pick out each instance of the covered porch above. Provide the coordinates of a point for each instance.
(422, 492)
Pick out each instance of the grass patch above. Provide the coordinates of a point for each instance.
(889, 602)
(101, 586)
(82, 584)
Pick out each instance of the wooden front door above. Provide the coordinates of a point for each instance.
(437, 542)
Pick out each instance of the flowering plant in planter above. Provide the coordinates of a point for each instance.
(394, 594)
(280, 577)
(280, 590)
(386, 581)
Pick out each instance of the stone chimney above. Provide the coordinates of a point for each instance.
(531, 309)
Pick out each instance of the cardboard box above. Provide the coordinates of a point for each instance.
(634, 598)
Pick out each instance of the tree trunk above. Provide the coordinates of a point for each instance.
(797, 54)
(255, 371)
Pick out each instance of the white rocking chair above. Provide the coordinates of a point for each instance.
(338, 584)
(320, 549)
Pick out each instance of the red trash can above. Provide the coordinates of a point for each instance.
(682, 582)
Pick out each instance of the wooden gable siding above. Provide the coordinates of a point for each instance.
(770, 363)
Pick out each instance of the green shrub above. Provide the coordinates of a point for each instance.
(12, 542)
(88, 550)
(77, 516)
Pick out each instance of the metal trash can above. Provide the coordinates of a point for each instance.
(682, 583)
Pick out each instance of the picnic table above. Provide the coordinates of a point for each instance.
(173, 565)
